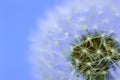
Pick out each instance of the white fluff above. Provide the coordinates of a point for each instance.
(51, 41)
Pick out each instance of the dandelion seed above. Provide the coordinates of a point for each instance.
(111, 31)
(88, 51)
(100, 12)
(117, 14)
(95, 27)
(82, 19)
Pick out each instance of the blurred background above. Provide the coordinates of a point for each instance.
(18, 18)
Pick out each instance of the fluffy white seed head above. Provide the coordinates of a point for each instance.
(52, 42)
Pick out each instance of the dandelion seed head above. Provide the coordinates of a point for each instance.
(95, 56)
(77, 41)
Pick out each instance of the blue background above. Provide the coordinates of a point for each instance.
(17, 19)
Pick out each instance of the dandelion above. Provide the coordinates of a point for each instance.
(78, 41)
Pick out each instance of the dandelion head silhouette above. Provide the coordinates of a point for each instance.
(78, 40)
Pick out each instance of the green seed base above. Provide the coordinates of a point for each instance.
(92, 55)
